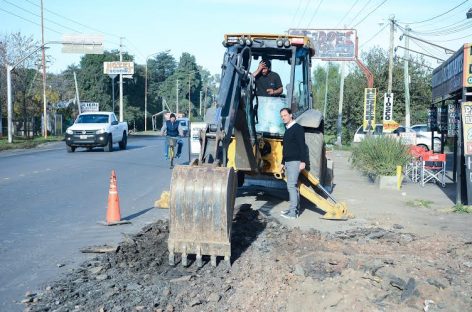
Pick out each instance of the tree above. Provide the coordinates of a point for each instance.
(186, 73)
(14, 48)
(376, 59)
(159, 69)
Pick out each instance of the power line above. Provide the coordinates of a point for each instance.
(345, 15)
(376, 34)
(370, 13)
(37, 15)
(314, 14)
(73, 21)
(447, 30)
(296, 12)
(359, 12)
(303, 15)
(28, 20)
(432, 18)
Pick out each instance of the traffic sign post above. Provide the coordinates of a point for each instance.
(119, 68)
(112, 76)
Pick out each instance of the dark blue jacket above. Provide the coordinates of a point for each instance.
(172, 128)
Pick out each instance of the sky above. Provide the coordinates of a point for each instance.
(198, 27)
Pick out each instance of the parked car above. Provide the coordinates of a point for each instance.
(423, 137)
(378, 130)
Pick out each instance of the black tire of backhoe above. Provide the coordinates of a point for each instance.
(316, 154)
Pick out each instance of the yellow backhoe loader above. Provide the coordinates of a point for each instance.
(244, 137)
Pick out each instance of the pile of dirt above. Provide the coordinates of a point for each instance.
(274, 269)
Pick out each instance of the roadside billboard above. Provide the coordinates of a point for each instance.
(454, 74)
(389, 125)
(331, 44)
(86, 107)
(467, 132)
(116, 68)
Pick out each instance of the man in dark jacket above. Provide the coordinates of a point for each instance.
(293, 160)
(172, 129)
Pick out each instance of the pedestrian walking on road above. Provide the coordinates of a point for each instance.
(293, 160)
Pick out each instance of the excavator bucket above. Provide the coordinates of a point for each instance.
(201, 212)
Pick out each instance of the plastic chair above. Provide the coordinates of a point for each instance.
(412, 168)
(433, 168)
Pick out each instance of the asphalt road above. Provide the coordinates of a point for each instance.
(51, 200)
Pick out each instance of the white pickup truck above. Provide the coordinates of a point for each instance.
(96, 129)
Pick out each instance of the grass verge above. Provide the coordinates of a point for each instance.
(419, 203)
(459, 208)
(21, 143)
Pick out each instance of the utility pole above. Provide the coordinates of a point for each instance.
(407, 79)
(43, 61)
(205, 101)
(189, 102)
(177, 97)
(200, 110)
(9, 105)
(340, 108)
(77, 94)
(326, 91)
(121, 81)
(390, 61)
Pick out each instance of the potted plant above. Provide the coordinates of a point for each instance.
(378, 158)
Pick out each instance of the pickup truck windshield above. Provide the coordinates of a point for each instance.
(92, 119)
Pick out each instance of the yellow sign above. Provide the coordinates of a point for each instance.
(467, 69)
(390, 126)
(467, 127)
(370, 95)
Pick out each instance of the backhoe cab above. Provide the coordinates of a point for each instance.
(244, 136)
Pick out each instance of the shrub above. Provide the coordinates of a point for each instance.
(379, 155)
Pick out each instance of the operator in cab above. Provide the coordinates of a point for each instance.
(268, 83)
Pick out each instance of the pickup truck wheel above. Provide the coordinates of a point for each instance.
(123, 142)
(70, 149)
(109, 146)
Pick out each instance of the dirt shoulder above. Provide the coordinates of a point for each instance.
(392, 257)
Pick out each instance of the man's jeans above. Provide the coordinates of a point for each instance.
(179, 146)
(292, 170)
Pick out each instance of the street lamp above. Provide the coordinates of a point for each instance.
(10, 68)
(145, 90)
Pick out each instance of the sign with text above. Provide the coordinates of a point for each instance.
(195, 129)
(452, 120)
(467, 131)
(389, 124)
(82, 44)
(467, 127)
(86, 107)
(125, 68)
(370, 95)
(331, 44)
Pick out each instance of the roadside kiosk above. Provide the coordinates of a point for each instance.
(451, 114)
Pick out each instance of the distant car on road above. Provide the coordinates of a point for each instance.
(184, 123)
(96, 129)
(423, 137)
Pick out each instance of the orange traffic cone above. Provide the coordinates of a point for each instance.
(113, 210)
